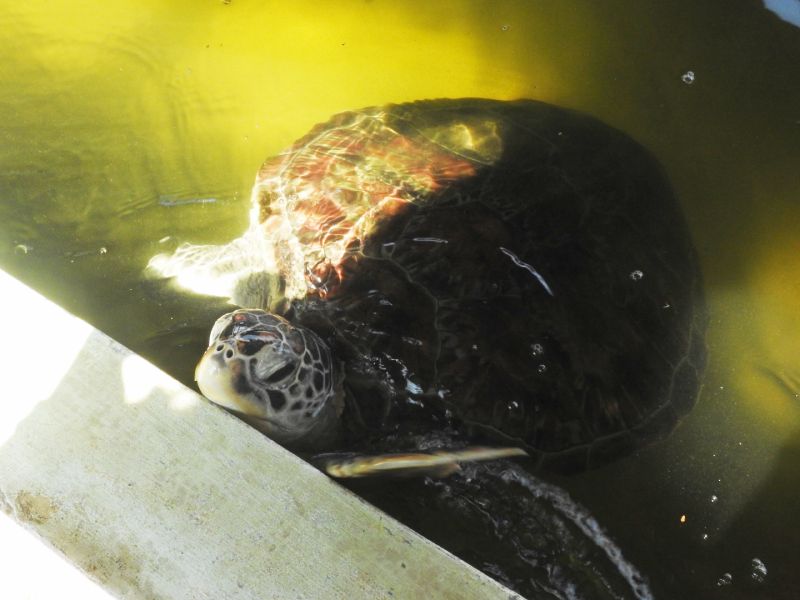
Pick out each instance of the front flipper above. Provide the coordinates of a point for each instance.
(242, 271)
(437, 463)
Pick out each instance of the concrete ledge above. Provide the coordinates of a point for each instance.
(155, 493)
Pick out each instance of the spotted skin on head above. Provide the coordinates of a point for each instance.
(280, 376)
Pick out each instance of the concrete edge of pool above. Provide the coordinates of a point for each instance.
(155, 493)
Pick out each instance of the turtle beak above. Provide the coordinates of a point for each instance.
(221, 380)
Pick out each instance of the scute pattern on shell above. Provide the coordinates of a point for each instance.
(470, 262)
(335, 182)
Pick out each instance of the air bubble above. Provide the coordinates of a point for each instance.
(637, 275)
(688, 77)
(103, 250)
(726, 579)
(541, 369)
(505, 27)
(758, 570)
(21, 249)
(714, 498)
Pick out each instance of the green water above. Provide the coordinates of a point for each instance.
(125, 123)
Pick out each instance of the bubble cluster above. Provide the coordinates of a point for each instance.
(758, 570)
(725, 579)
(636, 275)
(688, 77)
(537, 349)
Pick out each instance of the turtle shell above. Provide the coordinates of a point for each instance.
(505, 271)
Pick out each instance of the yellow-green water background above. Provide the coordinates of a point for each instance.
(124, 122)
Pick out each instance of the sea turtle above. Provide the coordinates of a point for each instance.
(490, 272)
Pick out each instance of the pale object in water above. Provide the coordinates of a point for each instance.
(440, 463)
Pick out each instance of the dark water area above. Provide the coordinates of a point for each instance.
(128, 128)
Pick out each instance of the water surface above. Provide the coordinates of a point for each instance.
(127, 127)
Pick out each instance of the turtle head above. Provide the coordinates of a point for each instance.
(279, 377)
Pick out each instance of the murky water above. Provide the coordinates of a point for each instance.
(127, 127)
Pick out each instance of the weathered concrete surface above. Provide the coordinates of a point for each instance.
(156, 493)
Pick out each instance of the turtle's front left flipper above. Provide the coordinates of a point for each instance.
(438, 463)
(242, 271)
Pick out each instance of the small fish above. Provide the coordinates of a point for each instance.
(437, 463)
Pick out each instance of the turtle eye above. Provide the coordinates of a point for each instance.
(251, 343)
(282, 373)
